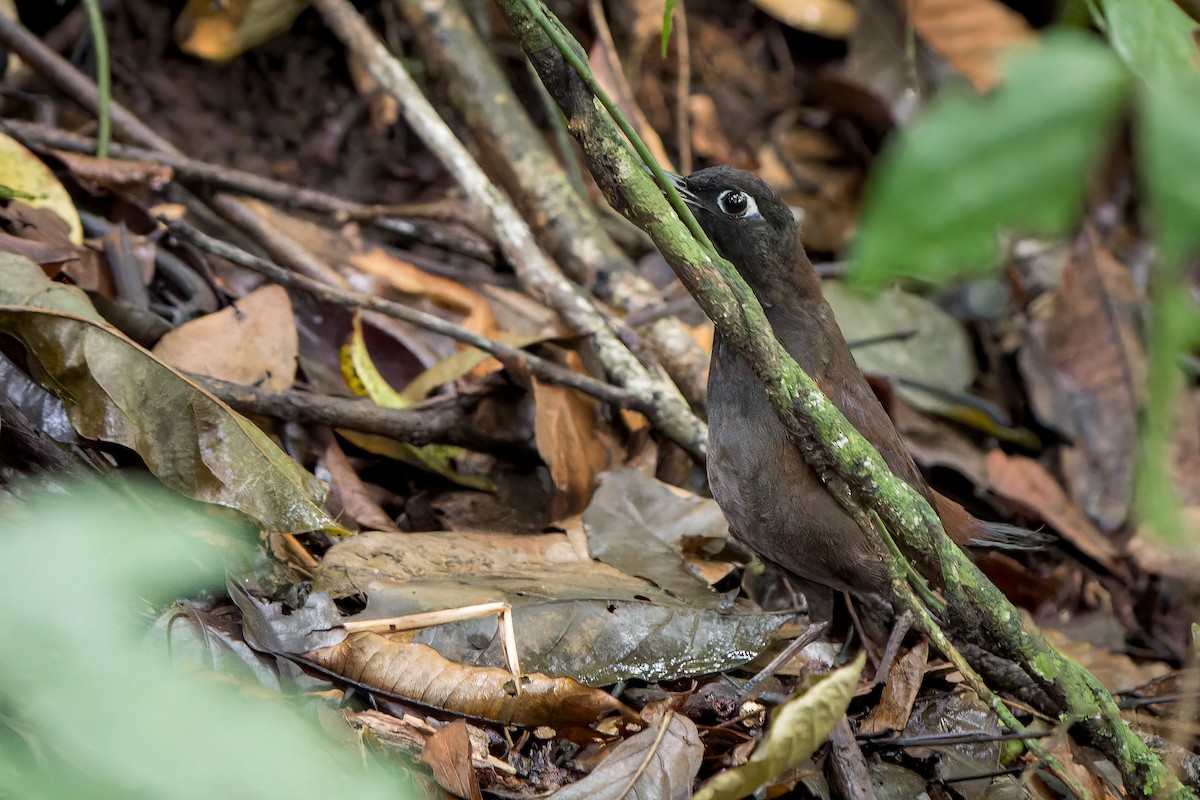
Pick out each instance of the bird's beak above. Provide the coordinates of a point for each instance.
(680, 184)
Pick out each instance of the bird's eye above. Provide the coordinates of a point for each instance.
(737, 203)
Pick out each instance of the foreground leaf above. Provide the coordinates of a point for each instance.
(971, 167)
(798, 728)
(1153, 37)
(102, 716)
(115, 391)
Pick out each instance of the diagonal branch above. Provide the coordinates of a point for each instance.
(854, 471)
(668, 412)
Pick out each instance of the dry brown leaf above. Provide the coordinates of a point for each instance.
(254, 341)
(448, 754)
(834, 19)
(417, 673)
(352, 492)
(566, 432)
(443, 291)
(903, 683)
(1027, 484)
(973, 35)
(116, 175)
(1086, 366)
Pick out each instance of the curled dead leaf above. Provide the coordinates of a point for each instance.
(417, 673)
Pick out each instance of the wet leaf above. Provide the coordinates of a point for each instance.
(418, 673)
(797, 729)
(1016, 159)
(117, 392)
(573, 616)
(639, 525)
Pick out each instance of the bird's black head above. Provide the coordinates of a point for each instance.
(746, 221)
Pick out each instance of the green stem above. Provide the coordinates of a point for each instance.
(103, 75)
(559, 37)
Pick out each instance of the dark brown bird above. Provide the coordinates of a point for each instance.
(775, 503)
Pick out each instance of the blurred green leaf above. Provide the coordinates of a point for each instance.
(1168, 143)
(973, 166)
(1169, 151)
(1152, 37)
(87, 711)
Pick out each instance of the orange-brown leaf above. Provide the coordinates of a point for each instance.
(416, 672)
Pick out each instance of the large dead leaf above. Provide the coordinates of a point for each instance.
(1085, 364)
(973, 35)
(253, 341)
(115, 391)
(798, 728)
(567, 435)
(573, 616)
(418, 673)
(640, 526)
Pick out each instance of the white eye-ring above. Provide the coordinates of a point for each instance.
(737, 203)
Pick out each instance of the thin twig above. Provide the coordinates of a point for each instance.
(436, 422)
(203, 176)
(546, 370)
(669, 413)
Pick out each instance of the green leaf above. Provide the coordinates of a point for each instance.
(89, 710)
(798, 728)
(1152, 37)
(1168, 143)
(668, 10)
(1169, 152)
(972, 166)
